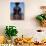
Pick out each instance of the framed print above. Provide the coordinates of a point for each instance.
(17, 11)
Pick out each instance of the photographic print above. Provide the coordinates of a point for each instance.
(17, 11)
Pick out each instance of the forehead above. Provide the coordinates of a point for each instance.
(42, 7)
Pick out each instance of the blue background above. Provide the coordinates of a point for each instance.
(12, 5)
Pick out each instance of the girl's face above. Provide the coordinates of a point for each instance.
(44, 10)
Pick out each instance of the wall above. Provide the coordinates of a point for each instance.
(27, 26)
